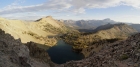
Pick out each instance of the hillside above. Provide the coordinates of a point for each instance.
(37, 31)
(80, 41)
(120, 30)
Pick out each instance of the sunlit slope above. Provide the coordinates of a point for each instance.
(37, 31)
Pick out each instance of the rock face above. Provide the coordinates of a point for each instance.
(14, 54)
(39, 54)
(119, 54)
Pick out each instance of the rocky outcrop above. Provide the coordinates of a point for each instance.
(14, 54)
(119, 54)
(39, 54)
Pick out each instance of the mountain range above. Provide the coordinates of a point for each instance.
(108, 44)
(89, 25)
(15, 54)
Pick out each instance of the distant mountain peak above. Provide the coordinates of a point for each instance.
(107, 19)
(45, 18)
(49, 17)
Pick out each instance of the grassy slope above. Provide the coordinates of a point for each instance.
(34, 31)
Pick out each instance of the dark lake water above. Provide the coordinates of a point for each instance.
(62, 52)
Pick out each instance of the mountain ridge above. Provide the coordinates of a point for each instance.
(121, 28)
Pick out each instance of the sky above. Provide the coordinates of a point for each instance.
(118, 10)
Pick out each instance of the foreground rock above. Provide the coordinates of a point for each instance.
(39, 54)
(14, 54)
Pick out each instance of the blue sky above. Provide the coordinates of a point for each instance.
(118, 10)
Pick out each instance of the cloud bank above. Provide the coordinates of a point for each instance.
(74, 6)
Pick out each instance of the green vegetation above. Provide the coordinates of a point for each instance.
(80, 41)
(33, 34)
(97, 46)
(48, 41)
(124, 57)
(52, 29)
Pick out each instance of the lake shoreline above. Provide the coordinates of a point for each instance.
(63, 52)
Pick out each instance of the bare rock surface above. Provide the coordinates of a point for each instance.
(14, 54)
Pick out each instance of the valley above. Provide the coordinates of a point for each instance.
(48, 42)
(69, 33)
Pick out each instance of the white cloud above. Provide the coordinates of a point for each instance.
(133, 3)
(51, 5)
(75, 6)
(127, 18)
